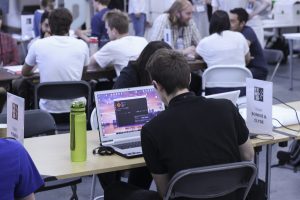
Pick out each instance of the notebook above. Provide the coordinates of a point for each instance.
(232, 96)
(121, 114)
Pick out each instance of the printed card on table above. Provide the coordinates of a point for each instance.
(15, 117)
(259, 106)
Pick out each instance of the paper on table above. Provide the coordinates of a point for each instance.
(17, 69)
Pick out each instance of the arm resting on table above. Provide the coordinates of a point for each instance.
(27, 70)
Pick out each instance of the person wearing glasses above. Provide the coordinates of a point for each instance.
(19, 178)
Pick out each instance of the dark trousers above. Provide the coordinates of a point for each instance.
(125, 191)
(139, 177)
(259, 73)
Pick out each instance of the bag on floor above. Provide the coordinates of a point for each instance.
(291, 157)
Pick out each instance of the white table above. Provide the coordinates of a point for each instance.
(291, 37)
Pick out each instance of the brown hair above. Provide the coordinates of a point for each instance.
(176, 7)
(170, 69)
(60, 20)
(118, 20)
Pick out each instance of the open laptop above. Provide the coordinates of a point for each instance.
(122, 113)
(232, 96)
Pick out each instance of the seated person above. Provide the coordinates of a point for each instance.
(58, 58)
(257, 65)
(9, 54)
(135, 73)
(223, 47)
(122, 47)
(186, 117)
(178, 19)
(19, 176)
(97, 24)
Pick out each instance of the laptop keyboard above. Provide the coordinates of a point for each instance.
(128, 145)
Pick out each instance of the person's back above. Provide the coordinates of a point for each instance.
(228, 48)
(223, 47)
(122, 47)
(19, 177)
(58, 58)
(194, 127)
(192, 131)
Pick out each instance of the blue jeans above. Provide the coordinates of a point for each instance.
(138, 24)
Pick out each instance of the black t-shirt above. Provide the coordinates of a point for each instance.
(193, 132)
(256, 50)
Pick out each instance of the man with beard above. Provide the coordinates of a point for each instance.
(177, 21)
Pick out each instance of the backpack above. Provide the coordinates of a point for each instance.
(291, 157)
(280, 43)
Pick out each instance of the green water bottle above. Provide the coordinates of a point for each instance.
(78, 132)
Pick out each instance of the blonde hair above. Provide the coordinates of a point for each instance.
(176, 7)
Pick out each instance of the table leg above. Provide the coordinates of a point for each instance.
(268, 170)
(93, 187)
(256, 161)
(291, 63)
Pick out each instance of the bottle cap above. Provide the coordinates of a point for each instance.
(78, 106)
(93, 40)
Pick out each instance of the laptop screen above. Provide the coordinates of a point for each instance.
(122, 111)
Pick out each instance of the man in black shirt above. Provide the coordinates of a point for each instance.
(193, 131)
(238, 20)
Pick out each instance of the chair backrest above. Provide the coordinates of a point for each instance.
(94, 120)
(225, 76)
(273, 57)
(36, 122)
(63, 90)
(212, 181)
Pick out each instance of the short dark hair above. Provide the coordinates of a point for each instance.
(1, 13)
(241, 13)
(118, 20)
(170, 69)
(103, 2)
(219, 22)
(60, 20)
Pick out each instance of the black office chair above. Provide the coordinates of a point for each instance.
(273, 57)
(63, 90)
(212, 181)
(36, 123)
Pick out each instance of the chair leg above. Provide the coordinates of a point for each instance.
(274, 72)
(74, 192)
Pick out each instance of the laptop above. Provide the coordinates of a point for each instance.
(121, 114)
(232, 96)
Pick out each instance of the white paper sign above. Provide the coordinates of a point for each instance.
(15, 117)
(168, 36)
(259, 106)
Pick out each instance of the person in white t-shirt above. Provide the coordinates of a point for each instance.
(122, 47)
(223, 47)
(58, 58)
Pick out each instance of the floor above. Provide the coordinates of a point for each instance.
(285, 183)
